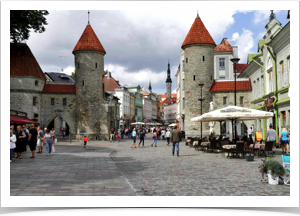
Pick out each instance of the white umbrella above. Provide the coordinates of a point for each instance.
(149, 123)
(212, 123)
(138, 123)
(157, 123)
(172, 125)
(232, 113)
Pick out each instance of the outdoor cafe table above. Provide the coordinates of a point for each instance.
(259, 147)
(229, 148)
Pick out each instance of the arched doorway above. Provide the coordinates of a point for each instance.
(58, 123)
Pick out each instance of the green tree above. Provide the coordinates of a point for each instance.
(72, 74)
(22, 21)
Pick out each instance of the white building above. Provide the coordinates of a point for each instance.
(124, 95)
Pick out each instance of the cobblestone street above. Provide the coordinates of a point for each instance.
(114, 169)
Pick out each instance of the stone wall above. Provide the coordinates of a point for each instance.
(203, 72)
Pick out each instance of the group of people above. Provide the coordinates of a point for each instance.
(173, 136)
(21, 138)
(283, 138)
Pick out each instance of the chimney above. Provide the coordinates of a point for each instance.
(117, 81)
(108, 75)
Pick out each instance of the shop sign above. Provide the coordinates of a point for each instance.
(268, 102)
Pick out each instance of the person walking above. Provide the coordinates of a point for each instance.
(27, 138)
(284, 139)
(122, 133)
(112, 133)
(134, 138)
(142, 138)
(163, 133)
(33, 134)
(52, 132)
(60, 133)
(154, 136)
(138, 132)
(21, 140)
(175, 139)
(129, 133)
(250, 133)
(48, 141)
(40, 140)
(85, 139)
(13, 140)
(168, 135)
(271, 134)
(63, 132)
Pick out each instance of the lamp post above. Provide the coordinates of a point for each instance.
(182, 127)
(201, 99)
(235, 61)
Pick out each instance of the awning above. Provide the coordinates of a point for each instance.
(21, 120)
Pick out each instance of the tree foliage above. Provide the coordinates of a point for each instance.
(72, 74)
(22, 21)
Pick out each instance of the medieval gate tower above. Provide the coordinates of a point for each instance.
(91, 109)
(198, 49)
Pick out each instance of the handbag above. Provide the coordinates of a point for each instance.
(55, 140)
(53, 149)
(153, 136)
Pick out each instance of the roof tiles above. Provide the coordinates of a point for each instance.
(89, 41)
(223, 47)
(59, 88)
(240, 67)
(198, 34)
(110, 84)
(229, 86)
(23, 62)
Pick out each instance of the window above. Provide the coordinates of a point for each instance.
(64, 101)
(203, 58)
(34, 101)
(283, 119)
(224, 100)
(183, 65)
(95, 65)
(82, 83)
(282, 74)
(257, 90)
(187, 60)
(136, 111)
(183, 103)
(36, 115)
(242, 100)
(52, 101)
(77, 65)
(183, 85)
(36, 83)
(271, 84)
(194, 77)
(222, 63)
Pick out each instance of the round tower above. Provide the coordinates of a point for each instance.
(198, 49)
(89, 81)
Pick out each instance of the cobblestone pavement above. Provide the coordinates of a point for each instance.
(115, 169)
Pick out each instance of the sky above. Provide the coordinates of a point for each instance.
(140, 43)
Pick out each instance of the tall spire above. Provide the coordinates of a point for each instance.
(272, 15)
(168, 74)
(88, 17)
(150, 88)
(197, 15)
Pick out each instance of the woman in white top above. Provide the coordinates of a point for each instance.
(13, 140)
(168, 135)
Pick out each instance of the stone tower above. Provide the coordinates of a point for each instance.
(198, 49)
(91, 110)
(169, 82)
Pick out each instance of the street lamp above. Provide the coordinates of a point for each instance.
(235, 61)
(201, 99)
(182, 127)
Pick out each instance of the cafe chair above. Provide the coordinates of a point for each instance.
(239, 148)
(269, 148)
(286, 161)
(212, 146)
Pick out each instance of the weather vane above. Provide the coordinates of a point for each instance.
(88, 16)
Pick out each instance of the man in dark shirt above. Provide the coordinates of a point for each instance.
(32, 139)
(112, 134)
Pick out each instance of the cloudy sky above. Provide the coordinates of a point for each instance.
(138, 44)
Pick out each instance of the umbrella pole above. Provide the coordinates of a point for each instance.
(220, 128)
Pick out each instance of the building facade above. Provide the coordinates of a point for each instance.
(124, 95)
(147, 109)
(138, 102)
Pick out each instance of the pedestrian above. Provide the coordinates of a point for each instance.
(129, 133)
(158, 133)
(154, 137)
(13, 140)
(250, 133)
(52, 133)
(33, 134)
(168, 135)
(14, 132)
(119, 134)
(40, 141)
(63, 132)
(60, 132)
(85, 139)
(48, 141)
(122, 133)
(175, 139)
(27, 137)
(142, 138)
(138, 132)
(163, 134)
(284, 140)
(271, 134)
(134, 138)
(112, 133)
(20, 144)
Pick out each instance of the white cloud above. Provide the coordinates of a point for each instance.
(69, 70)
(235, 36)
(245, 43)
(262, 15)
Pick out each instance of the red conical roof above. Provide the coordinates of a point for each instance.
(89, 41)
(198, 34)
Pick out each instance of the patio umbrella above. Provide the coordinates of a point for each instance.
(211, 123)
(233, 112)
(172, 125)
(157, 123)
(149, 123)
(138, 123)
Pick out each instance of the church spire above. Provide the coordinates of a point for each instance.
(272, 15)
(88, 17)
(168, 74)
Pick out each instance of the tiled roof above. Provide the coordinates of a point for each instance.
(229, 86)
(165, 95)
(168, 101)
(59, 88)
(240, 67)
(110, 84)
(198, 34)
(223, 47)
(23, 62)
(89, 41)
(144, 92)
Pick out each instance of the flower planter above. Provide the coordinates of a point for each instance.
(271, 179)
(249, 158)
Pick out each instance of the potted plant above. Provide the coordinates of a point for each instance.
(273, 170)
(249, 157)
